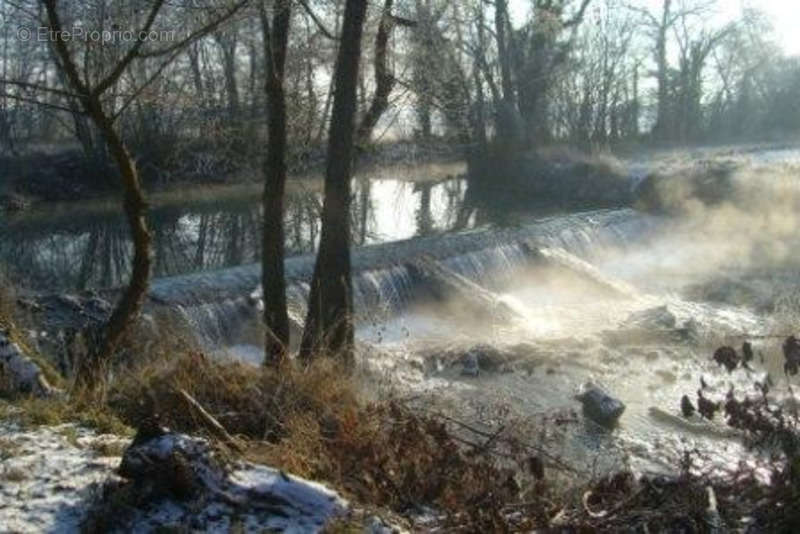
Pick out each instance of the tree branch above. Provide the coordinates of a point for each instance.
(120, 67)
(578, 17)
(62, 52)
(138, 91)
(195, 35)
(38, 87)
(327, 33)
(36, 102)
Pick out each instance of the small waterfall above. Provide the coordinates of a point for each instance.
(387, 290)
(486, 266)
(222, 305)
(218, 323)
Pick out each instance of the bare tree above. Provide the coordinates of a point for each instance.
(659, 26)
(89, 89)
(329, 322)
(384, 77)
(276, 318)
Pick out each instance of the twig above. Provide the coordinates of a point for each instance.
(320, 25)
(492, 436)
(211, 423)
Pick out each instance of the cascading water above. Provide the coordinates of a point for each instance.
(218, 303)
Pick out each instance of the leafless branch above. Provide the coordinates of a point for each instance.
(120, 67)
(197, 34)
(317, 21)
(36, 102)
(38, 88)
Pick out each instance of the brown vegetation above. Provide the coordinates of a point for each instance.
(7, 303)
(314, 423)
(390, 455)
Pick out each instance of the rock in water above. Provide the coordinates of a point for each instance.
(791, 352)
(706, 407)
(747, 352)
(19, 375)
(599, 406)
(727, 357)
(654, 318)
(687, 408)
(470, 363)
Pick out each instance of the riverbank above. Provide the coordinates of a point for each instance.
(61, 176)
(412, 439)
(183, 194)
(244, 444)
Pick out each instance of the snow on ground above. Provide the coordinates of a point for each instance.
(48, 475)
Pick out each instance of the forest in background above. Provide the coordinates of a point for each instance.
(443, 77)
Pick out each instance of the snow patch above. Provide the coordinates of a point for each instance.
(48, 477)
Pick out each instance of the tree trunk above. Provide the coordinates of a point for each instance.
(661, 128)
(95, 367)
(503, 54)
(227, 45)
(384, 79)
(276, 317)
(197, 76)
(329, 323)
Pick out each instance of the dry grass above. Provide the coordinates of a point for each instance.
(313, 422)
(13, 474)
(7, 300)
(57, 411)
(8, 448)
(109, 448)
(255, 403)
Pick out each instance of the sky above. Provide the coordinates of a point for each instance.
(785, 16)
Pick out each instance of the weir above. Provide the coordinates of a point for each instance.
(222, 305)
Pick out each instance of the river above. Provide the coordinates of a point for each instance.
(632, 301)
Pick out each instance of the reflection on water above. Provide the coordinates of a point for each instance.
(82, 250)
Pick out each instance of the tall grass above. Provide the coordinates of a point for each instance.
(7, 299)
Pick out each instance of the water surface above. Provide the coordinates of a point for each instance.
(81, 248)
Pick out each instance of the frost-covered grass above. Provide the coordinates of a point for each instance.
(49, 475)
